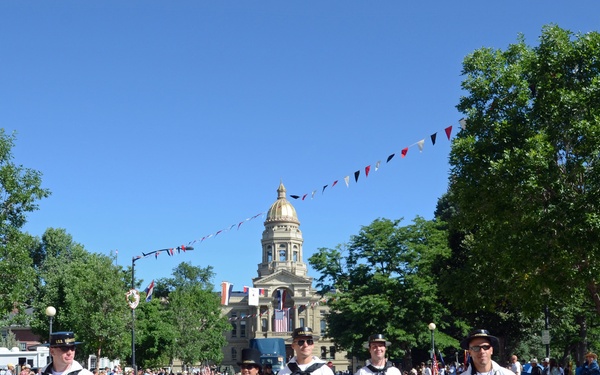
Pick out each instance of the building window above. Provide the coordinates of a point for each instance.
(243, 328)
(233, 324)
(302, 322)
(323, 352)
(323, 327)
(22, 346)
(269, 254)
(332, 352)
(295, 256)
(233, 354)
(263, 324)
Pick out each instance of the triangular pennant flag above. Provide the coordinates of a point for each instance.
(156, 254)
(313, 194)
(367, 170)
(294, 196)
(334, 183)
(324, 187)
(377, 165)
(448, 131)
(390, 158)
(356, 174)
(463, 123)
(304, 196)
(246, 289)
(347, 181)
(420, 144)
(404, 151)
(433, 137)
(241, 222)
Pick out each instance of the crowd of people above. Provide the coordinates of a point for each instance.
(479, 344)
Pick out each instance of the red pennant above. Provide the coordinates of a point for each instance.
(334, 182)
(367, 170)
(448, 131)
(404, 152)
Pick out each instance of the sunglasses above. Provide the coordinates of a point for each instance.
(66, 348)
(478, 348)
(308, 342)
(248, 367)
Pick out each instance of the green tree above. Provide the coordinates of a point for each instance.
(20, 189)
(88, 292)
(525, 175)
(384, 282)
(196, 316)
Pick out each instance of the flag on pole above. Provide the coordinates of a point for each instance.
(149, 290)
(434, 365)
(226, 289)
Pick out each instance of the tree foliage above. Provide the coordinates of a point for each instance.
(525, 176)
(384, 283)
(20, 189)
(195, 313)
(87, 290)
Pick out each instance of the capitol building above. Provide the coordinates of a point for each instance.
(286, 299)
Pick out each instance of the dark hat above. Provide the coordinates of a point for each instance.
(62, 339)
(479, 333)
(304, 332)
(250, 356)
(378, 337)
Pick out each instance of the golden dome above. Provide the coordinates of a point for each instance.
(282, 209)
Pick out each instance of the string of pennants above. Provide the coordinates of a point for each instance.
(367, 169)
(299, 307)
(420, 144)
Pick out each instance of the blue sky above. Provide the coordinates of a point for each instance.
(156, 123)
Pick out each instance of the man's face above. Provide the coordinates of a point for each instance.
(377, 350)
(303, 346)
(513, 359)
(483, 357)
(62, 356)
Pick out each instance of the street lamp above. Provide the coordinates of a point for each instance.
(431, 327)
(179, 248)
(50, 312)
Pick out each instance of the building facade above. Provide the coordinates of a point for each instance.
(286, 299)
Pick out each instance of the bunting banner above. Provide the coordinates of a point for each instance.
(403, 153)
(367, 170)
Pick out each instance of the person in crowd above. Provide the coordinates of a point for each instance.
(268, 369)
(590, 366)
(378, 364)
(25, 369)
(304, 362)
(250, 362)
(553, 367)
(62, 352)
(545, 366)
(10, 369)
(515, 365)
(480, 345)
(535, 369)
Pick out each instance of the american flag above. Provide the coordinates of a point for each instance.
(281, 320)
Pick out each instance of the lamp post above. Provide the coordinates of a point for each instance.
(179, 248)
(431, 327)
(50, 312)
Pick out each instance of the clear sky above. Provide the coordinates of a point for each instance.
(157, 123)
